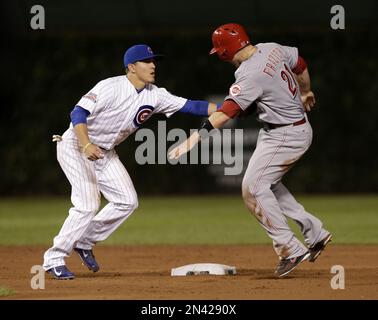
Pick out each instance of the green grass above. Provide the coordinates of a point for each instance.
(189, 220)
(4, 292)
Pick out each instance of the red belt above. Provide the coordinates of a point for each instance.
(270, 126)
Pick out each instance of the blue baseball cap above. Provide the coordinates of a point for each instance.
(139, 52)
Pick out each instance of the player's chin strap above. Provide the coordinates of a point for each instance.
(56, 138)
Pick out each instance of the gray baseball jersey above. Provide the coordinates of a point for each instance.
(266, 78)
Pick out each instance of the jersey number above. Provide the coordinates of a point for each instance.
(288, 77)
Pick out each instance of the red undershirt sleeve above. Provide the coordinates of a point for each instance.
(300, 66)
(230, 108)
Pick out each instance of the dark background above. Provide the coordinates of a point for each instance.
(45, 72)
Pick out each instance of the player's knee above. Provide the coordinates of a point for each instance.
(129, 205)
(248, 197)
(133, 201)
(248, 189)
(245, 193)
(89, 208)
(245, 189)
(95, 206)
(135, 204)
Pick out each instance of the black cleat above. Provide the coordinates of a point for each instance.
(285, 266)
(317, 249)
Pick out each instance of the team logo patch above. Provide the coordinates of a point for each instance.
(91, 96)
(143, 113)
(235, 90)
(150, 50)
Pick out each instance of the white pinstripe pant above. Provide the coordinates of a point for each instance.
(276, 152)
(83, 228)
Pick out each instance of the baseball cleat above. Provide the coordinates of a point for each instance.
(88, 259)
(285, 266)
(317, 249)
(61, 273)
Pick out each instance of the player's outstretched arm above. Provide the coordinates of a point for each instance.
(218, 119)
(215, 121)
(199, 108)
(212, 108)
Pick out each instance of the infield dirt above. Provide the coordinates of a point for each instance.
(143, 272)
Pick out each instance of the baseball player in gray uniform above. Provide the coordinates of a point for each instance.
(275, 79)
(101, 120)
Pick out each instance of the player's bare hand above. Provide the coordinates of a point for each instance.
(308, 100)
(184, 147)
(93, 152)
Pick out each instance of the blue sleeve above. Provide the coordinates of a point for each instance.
(196, 108)
(79, 115)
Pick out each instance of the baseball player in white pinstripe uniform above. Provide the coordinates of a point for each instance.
(102, 119)
(275, 79)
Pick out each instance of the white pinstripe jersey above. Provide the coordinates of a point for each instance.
(117, 109)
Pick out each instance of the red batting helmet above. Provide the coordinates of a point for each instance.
(229, 39)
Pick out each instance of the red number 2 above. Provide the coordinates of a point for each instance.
(288, 77)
